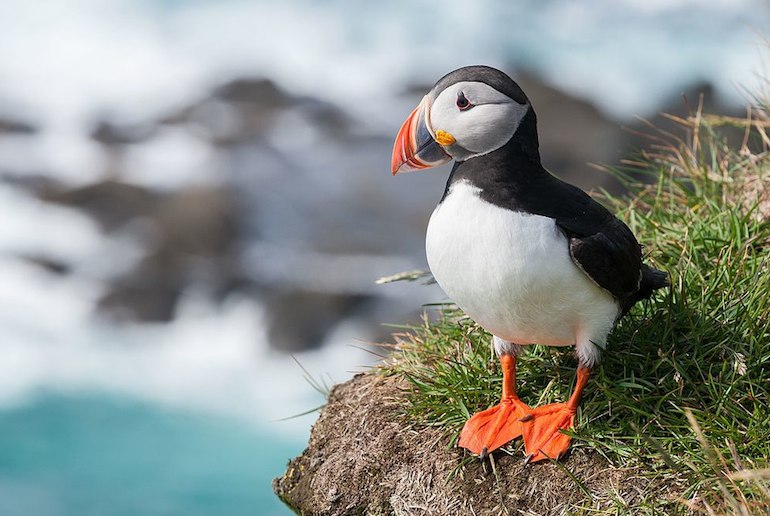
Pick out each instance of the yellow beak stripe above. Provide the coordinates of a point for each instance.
(444, 138)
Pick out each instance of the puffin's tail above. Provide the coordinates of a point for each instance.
(652, 280)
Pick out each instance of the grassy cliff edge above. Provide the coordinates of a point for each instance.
(675, 420)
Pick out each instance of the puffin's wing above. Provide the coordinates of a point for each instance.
(611, 257)
(600, 244)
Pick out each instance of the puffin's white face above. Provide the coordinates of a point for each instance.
(469, 119)
(461, 121)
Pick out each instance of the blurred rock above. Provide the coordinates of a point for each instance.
(192, 238)
(48, 263)
(256, 98)
(149, 294)
(196, 232)
(641, 133)
(258, 91)
(300, 319)
(110, 132)
(110, 203)
(248, 109)
(10, 125)
(37, 185)
(686, 102)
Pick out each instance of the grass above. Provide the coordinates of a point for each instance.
(684, 388)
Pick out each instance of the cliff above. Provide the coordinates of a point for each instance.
(364, 457)
(676, 418)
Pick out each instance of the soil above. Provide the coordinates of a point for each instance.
(364, 458)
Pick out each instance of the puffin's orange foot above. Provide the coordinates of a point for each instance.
(488, 430)
(541, 430)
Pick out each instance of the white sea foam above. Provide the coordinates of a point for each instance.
(33, 227)
(64, 62)
(173, 159)
(210, 358)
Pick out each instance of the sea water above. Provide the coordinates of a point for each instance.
(97, 455)
(196, 416)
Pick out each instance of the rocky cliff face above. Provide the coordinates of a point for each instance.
(364, 458)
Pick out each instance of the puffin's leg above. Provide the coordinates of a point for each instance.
(541, 427)
(490, 429)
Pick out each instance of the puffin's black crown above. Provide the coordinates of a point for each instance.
(486, 74)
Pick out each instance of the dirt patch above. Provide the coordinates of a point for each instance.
(363, 458)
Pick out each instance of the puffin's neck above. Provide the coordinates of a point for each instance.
(504, 172)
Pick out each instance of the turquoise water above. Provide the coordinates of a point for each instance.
(96, 455)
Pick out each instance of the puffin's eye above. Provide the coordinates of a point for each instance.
(462, 102)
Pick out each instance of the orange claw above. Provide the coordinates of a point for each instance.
(541, 427)
(541, 431)
(490, 429)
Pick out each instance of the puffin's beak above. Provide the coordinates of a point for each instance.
(415, 148)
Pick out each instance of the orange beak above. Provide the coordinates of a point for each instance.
(415, 148)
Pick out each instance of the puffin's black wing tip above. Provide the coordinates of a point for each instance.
(653, 279)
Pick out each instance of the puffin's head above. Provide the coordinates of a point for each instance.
(469, 112)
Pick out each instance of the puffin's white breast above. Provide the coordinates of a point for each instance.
(512, 273)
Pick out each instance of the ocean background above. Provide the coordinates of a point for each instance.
(182, 410)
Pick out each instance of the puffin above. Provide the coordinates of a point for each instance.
(530, 258)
